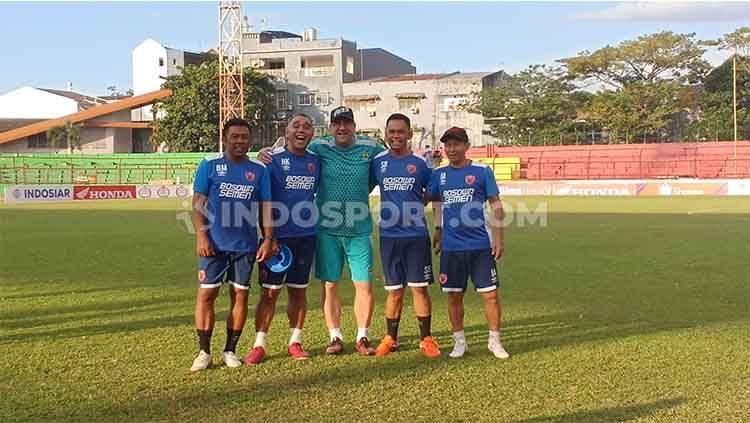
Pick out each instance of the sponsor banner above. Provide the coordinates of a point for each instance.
(152, 192)
(668, 188)
(38, 193)
(738, 187)
(593, 189)
(104, 192)
(524, 188)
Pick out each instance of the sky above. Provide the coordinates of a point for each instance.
(90, 43)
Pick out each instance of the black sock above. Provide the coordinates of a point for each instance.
(392, 325)
(424, 326)
(233, 336)
(204, 340)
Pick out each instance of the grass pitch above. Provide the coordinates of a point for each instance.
(617, 310)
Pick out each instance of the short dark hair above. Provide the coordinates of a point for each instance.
(235, 122)
(398, 116)
(304, 115)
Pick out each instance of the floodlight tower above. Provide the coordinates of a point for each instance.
(231, 98)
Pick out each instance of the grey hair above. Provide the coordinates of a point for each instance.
(304, 115)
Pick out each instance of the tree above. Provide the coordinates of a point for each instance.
(67, 135)
(647, 59)
(534, 105)
(116, 92)
(190, 120)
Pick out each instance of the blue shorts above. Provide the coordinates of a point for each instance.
(406, 260)
(298, 274)
(233, 268)
(457, 266)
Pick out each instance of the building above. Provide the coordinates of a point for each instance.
(432, 101)
(310, 73)
(27, 113)
(152, 64)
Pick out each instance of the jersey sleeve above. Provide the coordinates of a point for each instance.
(315, 146)
(373, 175)
(265, 185)
(201, 182)
(426, 176)
(490, 183)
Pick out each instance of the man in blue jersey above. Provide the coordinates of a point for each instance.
(229, 191)
(467, 246)
(294, 178)
(405, 250)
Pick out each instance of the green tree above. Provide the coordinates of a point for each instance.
(647, 59)
(68, 135)
(190, 119)
(535, 106)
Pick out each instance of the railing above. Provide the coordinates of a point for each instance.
(319, 71)
(279, 73)
(142, 174)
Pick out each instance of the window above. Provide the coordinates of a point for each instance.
(282, 99)
(321, 99)
(452, 104)
(161, 61)
(38, 141)
(350, 65)
(304, 99)
(174, 61)
(408, 104)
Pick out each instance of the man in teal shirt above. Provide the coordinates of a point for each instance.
(344, 224)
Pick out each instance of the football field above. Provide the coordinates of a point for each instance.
(615, 309)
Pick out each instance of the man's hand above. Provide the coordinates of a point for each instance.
(264, 155)
(498, 248)
(436, 240)
(268, 248)
(203, 245)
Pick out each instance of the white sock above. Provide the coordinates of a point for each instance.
(361, 333)
(296, 336)
(459, 337)
(494, 337)
(336, 333)
(260, 340)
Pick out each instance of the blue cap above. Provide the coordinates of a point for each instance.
(281, 261)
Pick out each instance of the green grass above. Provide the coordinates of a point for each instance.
(617, 310)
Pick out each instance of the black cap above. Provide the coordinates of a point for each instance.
(455, 133)
(342, 112)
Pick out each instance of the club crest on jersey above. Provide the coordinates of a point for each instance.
(201, 275)
(443, 278)
(221, 169)
(250, 176)
(285, 164)
(366, 155)
(383, 166)
(311, 167)
(470, 179)
(411, 169)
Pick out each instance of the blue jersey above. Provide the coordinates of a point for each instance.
(294, 180)
(463, 192)
(402, 181)
(234, 192)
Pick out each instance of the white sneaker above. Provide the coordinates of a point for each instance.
(231, 360)
(459, 349)
(497, 349)
(202, 362)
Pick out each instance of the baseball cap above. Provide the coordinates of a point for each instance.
(342, 112)
(455, 133)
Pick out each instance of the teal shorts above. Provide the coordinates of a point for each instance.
(331, 252)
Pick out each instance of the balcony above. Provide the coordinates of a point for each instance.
(319, 71)
(278, 73)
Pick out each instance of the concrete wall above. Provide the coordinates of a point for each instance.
(31, 103)
(151, 63)
(378, 62)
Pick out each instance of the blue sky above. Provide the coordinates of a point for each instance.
(89, 44)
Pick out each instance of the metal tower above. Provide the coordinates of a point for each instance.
(231, 98)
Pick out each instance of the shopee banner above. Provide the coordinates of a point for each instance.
(104, 192)
(667, 188)
(738, 187)
(164, 191)
(38, 193)
(593, 189)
